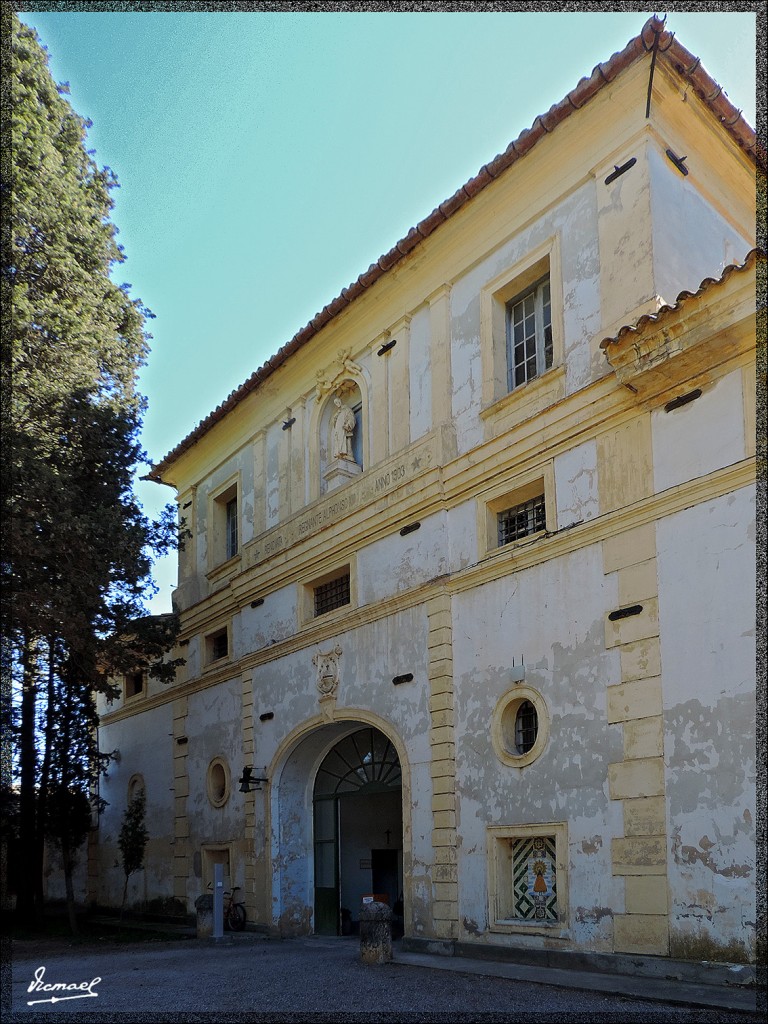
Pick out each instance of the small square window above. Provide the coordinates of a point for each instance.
(217, 645)
(134, 684)
(518, 511)
(529, 334)
(521, 520)
(332, 594)
(223, 525)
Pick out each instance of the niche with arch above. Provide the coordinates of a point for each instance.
(342, 436)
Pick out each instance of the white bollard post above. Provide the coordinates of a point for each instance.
(218, 901)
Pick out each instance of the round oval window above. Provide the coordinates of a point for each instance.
(526, 727)
(218, 782)
(520, 727)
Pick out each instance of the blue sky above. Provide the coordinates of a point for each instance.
(267, 159)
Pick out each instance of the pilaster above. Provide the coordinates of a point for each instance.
(638, 780)
(298, 495)
(249, 799)
(259, 484)
(182, 865)
(440, 355)
(379, 402)
(400, 386)
(445, 904)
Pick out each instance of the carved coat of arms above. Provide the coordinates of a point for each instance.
(327, 665)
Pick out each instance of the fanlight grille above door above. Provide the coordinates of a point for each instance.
(363, 760)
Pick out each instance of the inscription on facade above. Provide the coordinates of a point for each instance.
(325, 513)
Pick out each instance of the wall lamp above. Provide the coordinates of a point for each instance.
(248, 782)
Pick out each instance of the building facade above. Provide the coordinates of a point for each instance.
(469, 580)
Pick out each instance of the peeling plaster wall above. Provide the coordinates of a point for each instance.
(214, 729)
(145, 743)
(705, 555)
(240, 463)
(420, 374)
(574, 220)
(396, 564)
(272, 482)
(372, 656)
(462, 535)
(576, 485)
(700, 437)
(551, 614)
(272, 621)
(691, 240)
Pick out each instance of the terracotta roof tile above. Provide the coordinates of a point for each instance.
(669, 50)
(750, 260)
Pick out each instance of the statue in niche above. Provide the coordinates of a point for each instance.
(342, 429)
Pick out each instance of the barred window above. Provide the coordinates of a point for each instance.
(529, 334)
(526, 727)
(521, 520)
(231, 528)
(333, 594)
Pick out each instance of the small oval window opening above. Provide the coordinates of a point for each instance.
(526, 727)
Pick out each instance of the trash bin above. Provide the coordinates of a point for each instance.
(204, 911)
(375, 932)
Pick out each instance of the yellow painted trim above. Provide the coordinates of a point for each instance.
(495, 836)
(498, 565)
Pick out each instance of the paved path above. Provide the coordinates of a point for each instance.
(308, 979)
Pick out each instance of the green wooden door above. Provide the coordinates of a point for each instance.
(326, 866)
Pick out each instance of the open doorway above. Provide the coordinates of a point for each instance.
(358, 830)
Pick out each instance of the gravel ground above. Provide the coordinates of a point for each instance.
(297, 979)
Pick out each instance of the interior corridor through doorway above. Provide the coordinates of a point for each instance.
(358, 831)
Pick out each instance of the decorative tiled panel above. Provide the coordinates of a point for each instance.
(534, 878)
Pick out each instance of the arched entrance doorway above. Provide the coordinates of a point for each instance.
(358, 828)
(339, 821)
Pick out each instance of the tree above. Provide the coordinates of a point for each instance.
(77, 548)
(133, 840)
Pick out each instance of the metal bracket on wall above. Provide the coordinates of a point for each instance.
(678, 161)
(618, 171)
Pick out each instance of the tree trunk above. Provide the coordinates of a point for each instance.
(29, 857)
(45, 769)
(68, 859)
(125, 897)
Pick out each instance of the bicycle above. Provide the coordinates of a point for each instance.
(234, 913)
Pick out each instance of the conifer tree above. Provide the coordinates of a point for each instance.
(77, 547)
(133, 840)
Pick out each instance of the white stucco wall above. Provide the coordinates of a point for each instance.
(274, 620)
(691, 240)
(145, 743)
(550, 615)
(420, 374)
(574, 220)
(576, 490)
(396, 564)
(372, 656)
(706, 554)
(214, 729)
(701, 437)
